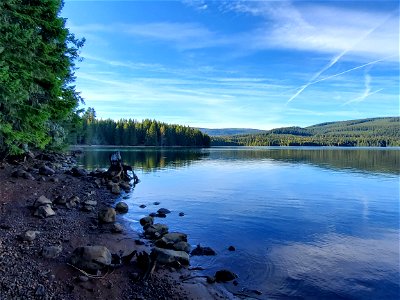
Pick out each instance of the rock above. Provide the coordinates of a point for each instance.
(125, 186)
(156, 230)
(87, 208)
(42, 200)
(83, 278)
(231, 248)
(51, 251)
(117, 228)
(142, 206)
(40, 291)
(181, 214)
(73, 202)
(90, 202)
(122, 207)
(54, 179)
(60, 200)
(202, 251)
(156, 203)
(78, 172)
(107, 215)
(174, 237)
(115, 189)
(98, 183)
(225, 275)
(167, 256)
(210, 279)
(44, 211)
(182, 246)
(146, 221)
(91, 257)
(153, 215)
(139, 242)
(18, 173)
(175, 241)
(163, 211)
(46, 171)
(27, 175)
(29, 235)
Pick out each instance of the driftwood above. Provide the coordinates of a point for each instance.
(118, 170)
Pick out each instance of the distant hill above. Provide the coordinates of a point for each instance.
(381, 132)
(229, 131)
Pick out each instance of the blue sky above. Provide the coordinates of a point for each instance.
(253, 64)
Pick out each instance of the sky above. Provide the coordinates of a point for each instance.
(242, 64)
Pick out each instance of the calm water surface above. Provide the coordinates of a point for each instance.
(313, 223)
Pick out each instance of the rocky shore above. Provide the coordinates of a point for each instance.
(61, 238)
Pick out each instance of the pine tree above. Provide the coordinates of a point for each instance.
(37, 60)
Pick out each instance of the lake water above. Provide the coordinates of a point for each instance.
(307, 223)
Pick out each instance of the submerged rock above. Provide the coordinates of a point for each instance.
(203, 251)
(163, 211)
(225, 275)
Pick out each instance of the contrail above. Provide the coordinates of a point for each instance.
(335, 60)
(361, 98)
(352, 69)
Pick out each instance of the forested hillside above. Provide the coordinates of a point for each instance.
(229, 131)
(130, 132)
(380, 132)
(37, 62)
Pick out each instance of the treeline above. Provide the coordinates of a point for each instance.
(376, 132)
(130, 132)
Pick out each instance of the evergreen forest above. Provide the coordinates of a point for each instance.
(92, 131)
(373, 132)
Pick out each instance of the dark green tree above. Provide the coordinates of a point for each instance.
(37, 63)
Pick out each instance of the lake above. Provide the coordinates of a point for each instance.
(313, 223)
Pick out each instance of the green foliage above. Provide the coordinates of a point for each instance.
(37, 55)
(133, 133)
(378, 132)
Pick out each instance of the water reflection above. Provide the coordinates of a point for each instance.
(375, 160)
(146, 159)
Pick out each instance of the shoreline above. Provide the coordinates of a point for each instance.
(29, 271)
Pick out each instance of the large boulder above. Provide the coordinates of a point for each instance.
(91, 257)
(168, 256)
(107, 215)
(163, 211)
(174, 241)
(156, 231)
(122, 207)
(125, 186)
(44, 211)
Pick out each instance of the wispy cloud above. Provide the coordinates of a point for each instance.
(367, 91)
(321, 29)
